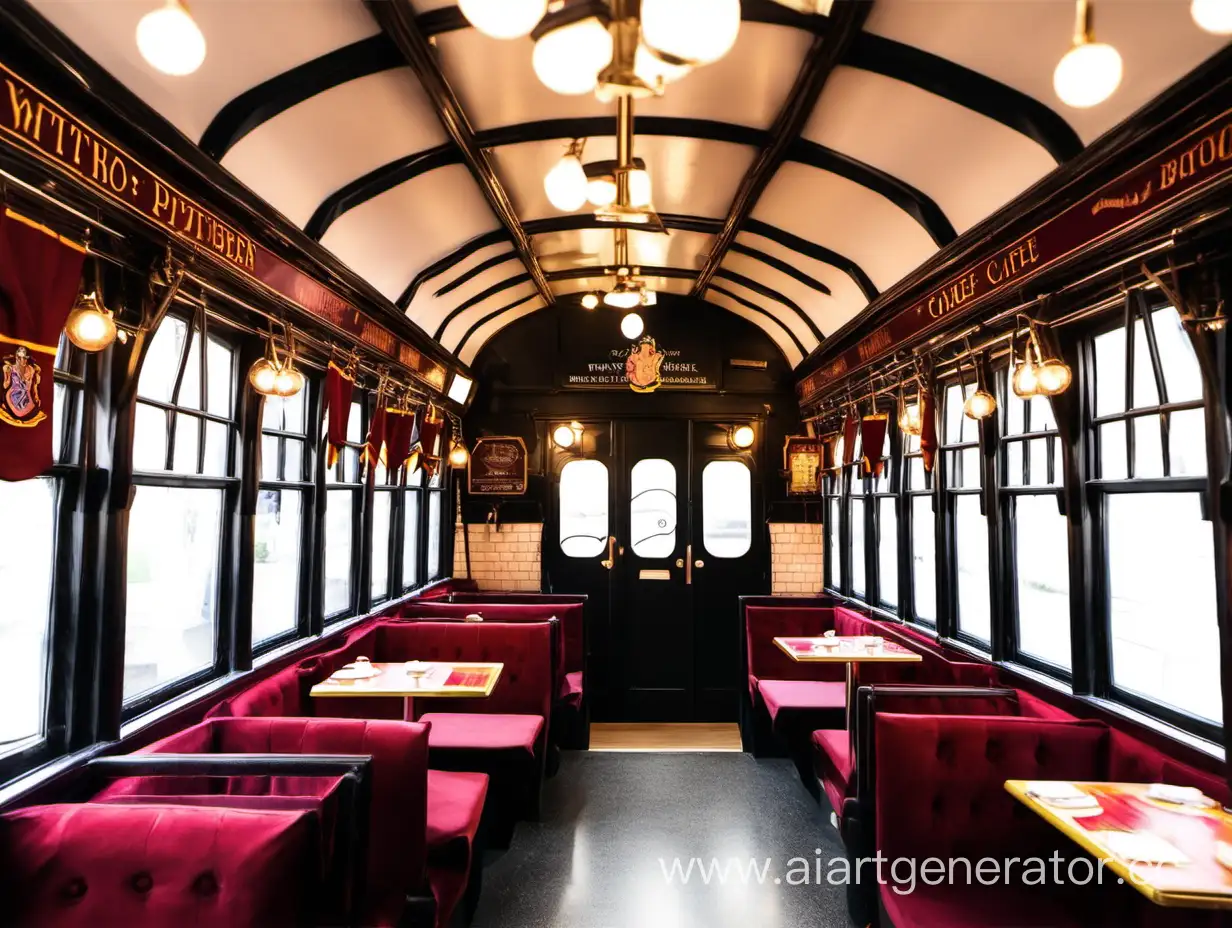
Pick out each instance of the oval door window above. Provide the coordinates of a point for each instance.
(583, 509)
(652, 507)
(727, 509)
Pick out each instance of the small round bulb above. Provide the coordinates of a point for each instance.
(980, 405)
(1213, 16)
(90, 326)
(1054, 377)
(563, 436)
(1026, 380)
(743, 436)
(170, 40)
(262, 376)
(590, 300)
(504, 19)
(1088, 74)
(631, 326)
(566, 185)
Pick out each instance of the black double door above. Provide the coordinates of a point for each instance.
(685, 539)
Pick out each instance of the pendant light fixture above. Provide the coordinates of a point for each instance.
(742, 437)
(631, 326)
(458, 455)
(90, 325)
(1052, 375)
(625, 295)
(1213, 16)
(691, 32)
(981, 404)
(569, 57)
(1090, 71)
(1025, 379)
(590, 300)
(909, 421)
(170, 39)
(566, 184)
(274, 376)
(504, 19)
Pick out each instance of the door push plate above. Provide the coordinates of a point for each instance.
(654, 575)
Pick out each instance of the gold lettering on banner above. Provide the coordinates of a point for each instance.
(1212, 147)
(1128, 201)
(874, 343)
(1012, 263)
(951, 296)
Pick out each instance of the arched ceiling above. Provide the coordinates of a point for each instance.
(816, 165)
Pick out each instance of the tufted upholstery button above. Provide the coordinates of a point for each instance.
(142, 882)
(206, 884)
(74, 889)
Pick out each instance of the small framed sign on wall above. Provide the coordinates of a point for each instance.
(802, 462)
(497, 467)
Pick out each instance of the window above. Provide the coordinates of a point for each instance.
(857, 487)
(1037, 543)
(727, 508)
(1151, 453)
(282, 517)
(583, 509)
(652, 508)
(177, 534)
(381, 544)
(886, 516)
(344, 496)
(434, 529)
(831, 487)
(923, 538)
(961, 459)
(410, 530)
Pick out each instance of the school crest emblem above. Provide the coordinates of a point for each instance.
(643, 365)
(20, 381)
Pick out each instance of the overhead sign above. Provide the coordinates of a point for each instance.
(1200, 158)
(33, 121)
(497, 467)
(643, 367)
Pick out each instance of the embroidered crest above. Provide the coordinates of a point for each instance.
(20, 381)
(643, 364)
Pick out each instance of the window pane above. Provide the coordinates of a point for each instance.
(887, 553)
(1187, 443)
(1042, 555)
(924, 559)
(1110, 372)
(269, 457)
(355, 424)
(858, 581)
(221, 369)
(1182, 376)
(1146, 393)
(583, 509)
(294, 467)
(1148, 447)
(190, 386)
(1112, 451)
(1013, 464)
(1165, 641)
(150, 439)
(953, 414)
(410, 542)
(173, 550)
(25, 576)
(279, 537)
(727, 508)
(1039, 461)
(652, 508)
(971, 540)
(916, 479)
(382, 509)
(339, 516)
(434, 535)
(1042, 419)
(187, 439)
(832, 556)
(1015, 414)
(162, 361)
(215, 450)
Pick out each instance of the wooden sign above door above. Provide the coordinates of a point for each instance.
(497, 467)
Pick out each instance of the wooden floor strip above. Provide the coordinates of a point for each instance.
(665, 737)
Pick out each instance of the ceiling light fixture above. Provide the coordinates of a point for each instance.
(590, 300)
(690, 31)
(631, 326)
(981, 404)
(90, 325)
(625, 295)
(170, 39)
(742, 437)
(569, 57)
(1090, 71)
(1213, 16)
(458, 455)
(274, 376)
(566, 185)
(504, 19)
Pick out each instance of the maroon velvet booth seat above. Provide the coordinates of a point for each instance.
(151, 866)
(402, 816)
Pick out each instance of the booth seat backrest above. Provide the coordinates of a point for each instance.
(282, 694)
(940, 782)
(765, 661)
(525, 648)
(1133, 761)
(931, 671)
(151, 866)
(398, 814)
(848, 622)
(1036, 708)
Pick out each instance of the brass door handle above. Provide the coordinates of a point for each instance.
(609, 562)
(688, 565)
(679, 562)
(699, 563)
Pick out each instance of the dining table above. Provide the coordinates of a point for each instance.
(411, 680)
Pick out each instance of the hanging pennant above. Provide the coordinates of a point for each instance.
(374, 444)
(829, 443)
(928, 429)
(399, 429)
(339, 385)
(851, 426)
(872, 440)
(40, 274)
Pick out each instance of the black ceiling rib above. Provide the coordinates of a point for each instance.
(488, 318)
(397, 20)
(781, 266)
(749, 304)
(816, 252)
(269, 98)
(916, 204)
(968, 88)
(844, 24)
(451, 260)
(378, 181)
(476, 271)
(487, 293)
(771, 294)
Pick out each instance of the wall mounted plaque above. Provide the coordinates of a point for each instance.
(802, 461)
(497, 467)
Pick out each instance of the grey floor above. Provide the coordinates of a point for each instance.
(613, 822)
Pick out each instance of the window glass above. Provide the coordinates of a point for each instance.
(339, 527)
(1146, 392)
(410, 541)
(1165, 640)
(583, 509)
(26, 565)
(924, 559)
(382, 512)
(1042, 553)
(1182, 375)
(727, 508)
(276, 556)
(162, 362)
(971, 542)
(1110, 372)
(173, 553)
(434, 534)
(858, 582)
(833, 554)
(652, 508)
(1187, 443)
(887, 552)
